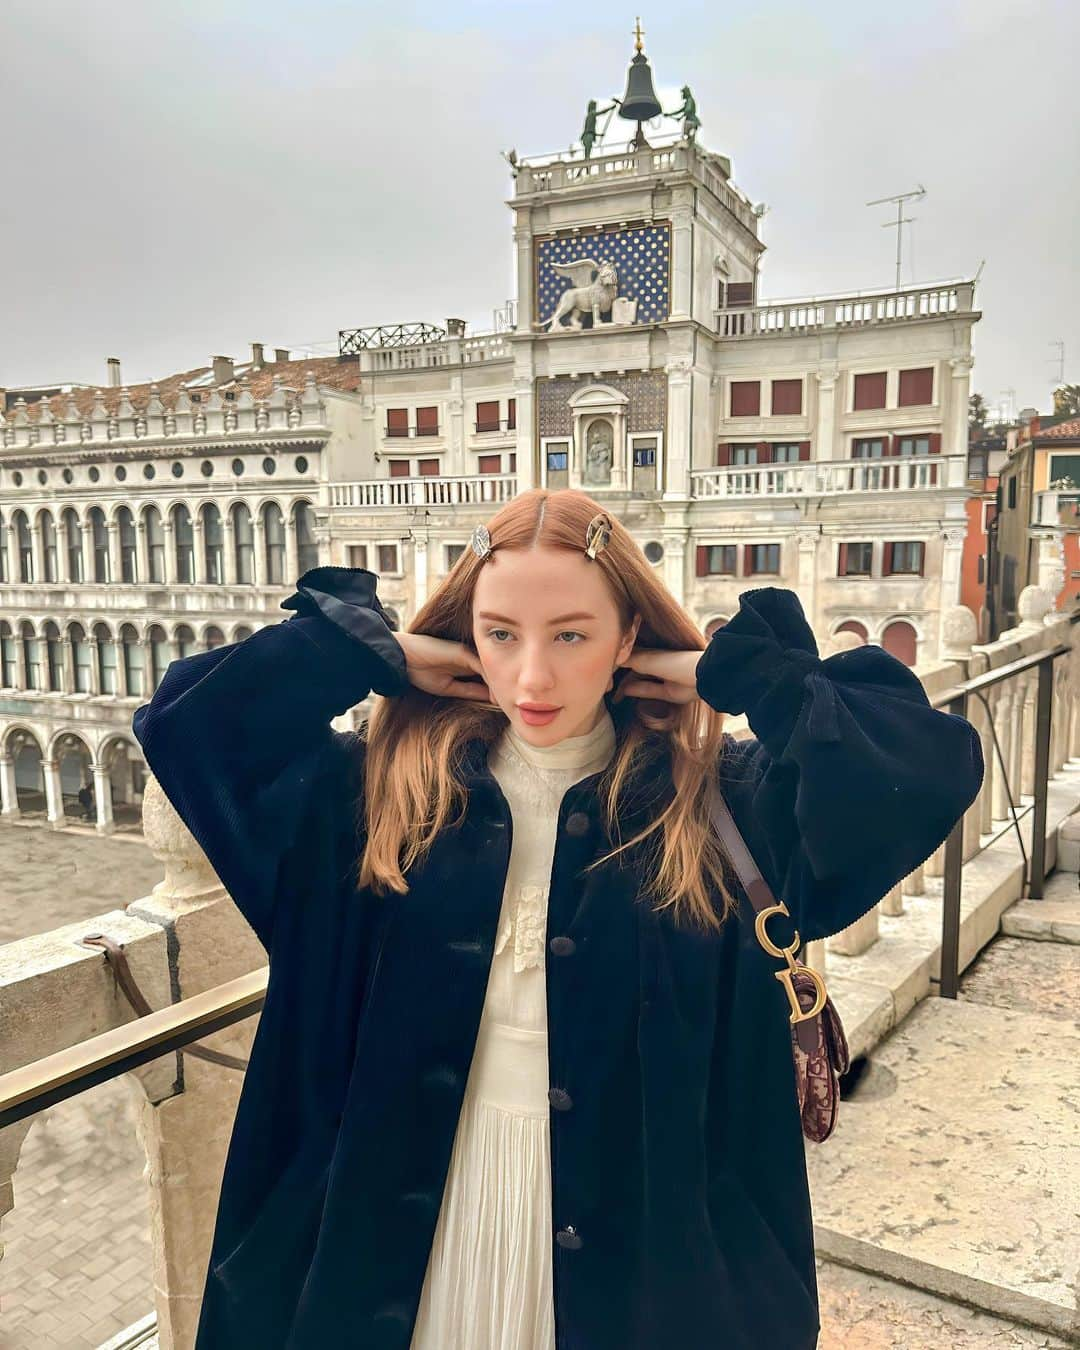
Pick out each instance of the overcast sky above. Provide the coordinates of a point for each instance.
(183, 178)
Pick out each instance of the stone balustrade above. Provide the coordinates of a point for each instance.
(433, 490)
(833, 313)
(187, 937)
(830, 477)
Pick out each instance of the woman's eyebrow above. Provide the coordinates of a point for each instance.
(563, 618)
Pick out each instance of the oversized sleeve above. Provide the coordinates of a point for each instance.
(239, 737)
(851, 778)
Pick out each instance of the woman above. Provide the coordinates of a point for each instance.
(523, 1077)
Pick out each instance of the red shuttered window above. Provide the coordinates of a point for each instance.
(916, 387)
(397, 421)
(427, 421)
(869, 391)
(786, 398)
(487, 416)
(399, 468)
(745, 398)
(490, 463)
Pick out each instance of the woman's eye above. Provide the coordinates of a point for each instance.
(493, 633)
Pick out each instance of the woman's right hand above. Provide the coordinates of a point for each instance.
(440, 667)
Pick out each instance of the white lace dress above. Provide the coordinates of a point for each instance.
(488, 1281)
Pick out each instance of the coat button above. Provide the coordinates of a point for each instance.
(569, 1237)
(577, 823)
(563, 946)
(560, 1099)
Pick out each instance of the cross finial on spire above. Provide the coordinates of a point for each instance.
(639, 33)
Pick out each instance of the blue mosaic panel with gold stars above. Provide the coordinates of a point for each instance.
(641, 256)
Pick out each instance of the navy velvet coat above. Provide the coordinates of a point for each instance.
(681, 1213)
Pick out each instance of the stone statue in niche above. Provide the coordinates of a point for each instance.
(598, 451)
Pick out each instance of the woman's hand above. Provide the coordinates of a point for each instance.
(440, 667)
(669, 676)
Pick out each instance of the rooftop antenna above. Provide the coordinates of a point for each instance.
(901, 220)
(1060, 360)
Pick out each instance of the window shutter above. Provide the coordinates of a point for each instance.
(487, 416)
(748, 560)
(764, 452)
(892, 445)
(886, 560)
(511, 414)
(397, 421)
(427, 421)
(916, 387)
(922, 556)
(935, 442)
(869, 391)
(745, 398)
(804, 449)
(719, 295)
(702, 560)
(723, 454)
(787, 398)
(740, 294)
(841, 565)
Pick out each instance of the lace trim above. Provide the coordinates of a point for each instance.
(524, 918)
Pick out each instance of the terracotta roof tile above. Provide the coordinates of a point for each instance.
(331, 372)
(1063, 431)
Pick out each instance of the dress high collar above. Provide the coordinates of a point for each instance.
(590, 751)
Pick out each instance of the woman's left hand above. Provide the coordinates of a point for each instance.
(670, 677)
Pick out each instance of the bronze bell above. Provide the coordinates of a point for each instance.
(639, 103)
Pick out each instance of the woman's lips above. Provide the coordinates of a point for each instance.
(535, 718)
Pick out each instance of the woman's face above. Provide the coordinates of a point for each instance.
(547, 632)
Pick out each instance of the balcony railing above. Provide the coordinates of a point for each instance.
(407, 432)
(1056, 509)
(829, 313)
(429, 490)
(829, 477)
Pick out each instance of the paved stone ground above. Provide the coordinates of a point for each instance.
(866, 1312)
(76, 1266)
(52, 877)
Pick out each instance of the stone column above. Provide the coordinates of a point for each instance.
(170, 556)
(7, 542)
(9, 797)
(103, 799)
(37, 552)
(420, 571)
(806, 574)
(67, 666)
(95, 664)
(54, 799)
(525, 437)
(142, 553)
(677, 439)
(116, 572)
(682, 247)
(526, 312)
(86, 540)
(198, 558)
(291, 565)
(826, 447)
(955, 415)
(952, 553)
(229, 545)
(258, 562)
(675, 577)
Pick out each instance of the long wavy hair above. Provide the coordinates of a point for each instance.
(415, 741)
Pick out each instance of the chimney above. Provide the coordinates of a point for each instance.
(112, 369)
(257, 355)
(281, 353)
(223, 369)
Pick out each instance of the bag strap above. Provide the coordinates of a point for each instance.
(803, 1020)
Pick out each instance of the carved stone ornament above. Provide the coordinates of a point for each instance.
(593, 290)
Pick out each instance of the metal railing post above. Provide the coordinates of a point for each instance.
(1043, 709)
(950, 897)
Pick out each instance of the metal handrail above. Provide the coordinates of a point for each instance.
(66, 1073)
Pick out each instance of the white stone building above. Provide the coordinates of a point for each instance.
(819, 444)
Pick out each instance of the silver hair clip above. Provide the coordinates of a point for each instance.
(480, 541)
(597, 535)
